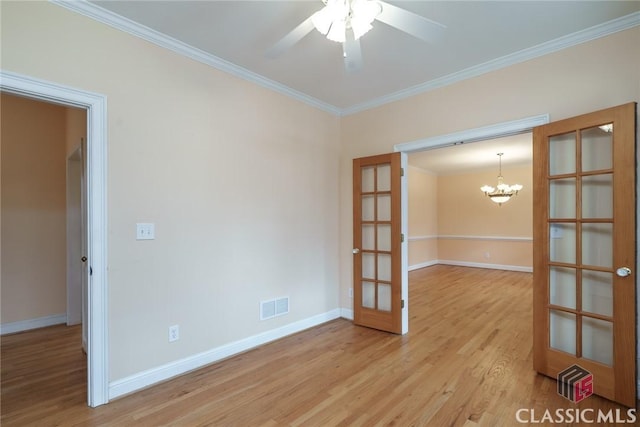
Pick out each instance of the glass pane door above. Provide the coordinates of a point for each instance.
(584, 228)
(377, 269)
(580, 189)
(375, 197)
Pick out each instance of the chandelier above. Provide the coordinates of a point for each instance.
(337, 16)
(502, 193)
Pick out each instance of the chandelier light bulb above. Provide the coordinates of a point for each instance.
(487, 189)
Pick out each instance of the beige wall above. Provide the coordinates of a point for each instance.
(423, 216)
(240, 182)
(473, 229)
(490, 253)
(33, 209)
(564, 84)
(464, 210)
(451, 220)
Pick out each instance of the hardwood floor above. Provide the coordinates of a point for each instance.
(466, 361)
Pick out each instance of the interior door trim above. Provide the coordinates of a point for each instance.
(96, 106)
(497, 130)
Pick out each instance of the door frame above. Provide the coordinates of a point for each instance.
(493, 131)
(96, 107)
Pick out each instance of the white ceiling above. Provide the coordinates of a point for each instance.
(480, 36)
(479, 155)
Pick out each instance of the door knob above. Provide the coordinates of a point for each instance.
(83, 259)
(623, 271)
(356, 251)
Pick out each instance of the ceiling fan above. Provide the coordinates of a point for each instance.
(345, 21)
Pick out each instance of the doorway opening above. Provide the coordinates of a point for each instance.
(452, 222)
(96, 159)
(499, 130)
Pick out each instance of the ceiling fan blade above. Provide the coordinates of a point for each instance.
(411, 23)
(290, 39)
(352, 53)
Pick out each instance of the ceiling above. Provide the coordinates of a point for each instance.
(479, 155)
(480, 36)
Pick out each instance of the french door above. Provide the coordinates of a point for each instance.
(584, 249)
(378, 290)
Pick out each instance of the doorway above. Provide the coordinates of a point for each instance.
(453, 222)
(495, 131)
(44, 236)
(97, 295)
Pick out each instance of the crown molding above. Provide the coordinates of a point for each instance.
(105, 16)
(601, 30)
(114, 20)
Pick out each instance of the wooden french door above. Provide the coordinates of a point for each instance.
(377, 243)
(584, 249)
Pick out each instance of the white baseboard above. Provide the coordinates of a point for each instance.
(161, 373)
(25, 325)
(483, 265)
(346, 313)
(422, 265)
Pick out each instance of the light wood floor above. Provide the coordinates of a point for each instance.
(466, 361)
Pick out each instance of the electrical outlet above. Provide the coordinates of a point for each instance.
(350, 292)
(174, 333)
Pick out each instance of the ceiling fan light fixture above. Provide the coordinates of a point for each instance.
(360, 27)
(337, 31)
(337, 16)
(363, 13)
(322, 20)
(346, 21)
(333, 12)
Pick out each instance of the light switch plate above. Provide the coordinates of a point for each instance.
(145, 231)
